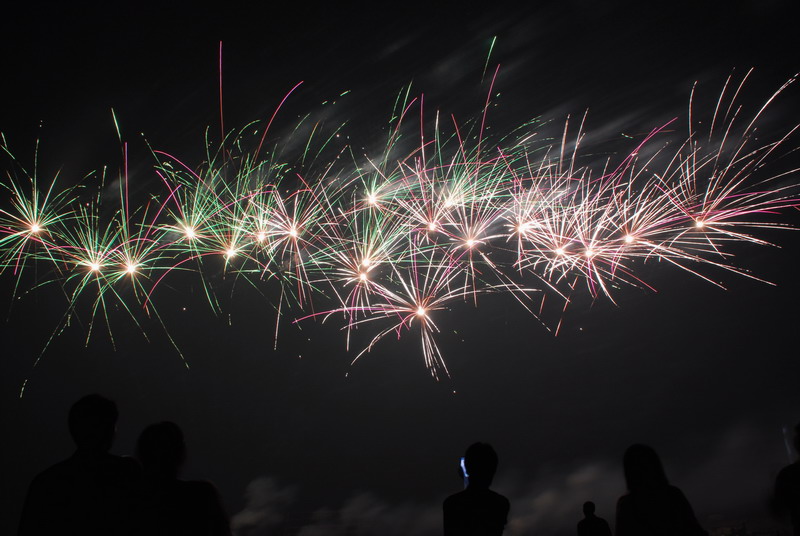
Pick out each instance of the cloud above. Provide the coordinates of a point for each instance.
(738, 475)
(728, 482)
(554, 499)
(266, 504)
(365, 513)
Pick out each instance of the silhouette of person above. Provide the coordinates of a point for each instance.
(787, 489)
(477, 510)
(591, 525)
(652, 506)
(172, 506)
(92, 491)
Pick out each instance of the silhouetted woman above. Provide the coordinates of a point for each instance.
(652, 507)
(171, 506)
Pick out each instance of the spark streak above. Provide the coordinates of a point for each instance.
(397, 245)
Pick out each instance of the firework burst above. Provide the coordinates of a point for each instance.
(392, 245)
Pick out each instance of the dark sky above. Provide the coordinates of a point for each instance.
(707, 376)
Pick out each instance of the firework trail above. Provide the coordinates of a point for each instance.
(390, 243)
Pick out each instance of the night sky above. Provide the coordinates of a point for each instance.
(295, 437)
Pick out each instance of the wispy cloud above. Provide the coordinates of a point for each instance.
(731, 483)
(265, 508)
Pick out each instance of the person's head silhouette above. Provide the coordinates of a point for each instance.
(93, 423)
(588, 508)
(480, 461)
(643, 469)
(161, 449)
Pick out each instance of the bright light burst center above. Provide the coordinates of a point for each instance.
(501, 198)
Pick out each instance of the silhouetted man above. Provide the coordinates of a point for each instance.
(787, 488)
(171, 506)
(477, 511)
(591, 525)
(91, 492)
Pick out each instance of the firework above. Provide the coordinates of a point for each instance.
(390, 244)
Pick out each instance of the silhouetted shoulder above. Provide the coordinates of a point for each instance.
(787, 494)
(93, 493)
(108, 465)
(664, 511)
(593, 526)
(205, 493)
(788, 480)
(475, 512)
(486, 496)
(183, 508)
